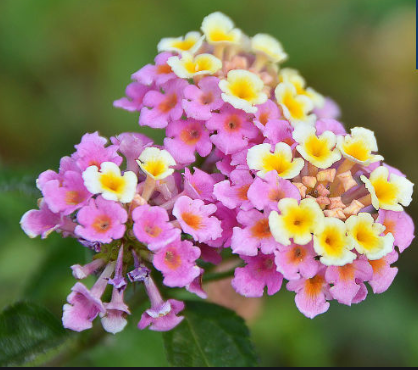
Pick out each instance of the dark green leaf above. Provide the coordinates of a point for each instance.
(27, 330)
(210, 336)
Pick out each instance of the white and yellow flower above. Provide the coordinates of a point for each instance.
(188, 66)
(296, 108)
(388, 192)
(268, 47)
(296, 221)
(359, 146)
(294, 77)
(220, 29)
(243, 90)
(156, 163)
(190, 43)
(318, 150)
(366, 236)
(332, 244)
(261, 158)
(110, 183)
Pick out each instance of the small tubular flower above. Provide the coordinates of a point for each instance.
(317, 150)
(332, 244)
(261, 159)
(110, 183)
(296, 108)
(156, 163)
(269, 47)
(359, 146)
(366, 236)
(219, 29)
(189, 66)
(388, 191)
(191, 42)
(296, 221)
(243, 90)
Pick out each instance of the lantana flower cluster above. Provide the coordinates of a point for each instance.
(253, 161)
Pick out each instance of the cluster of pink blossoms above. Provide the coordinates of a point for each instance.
(280, 182)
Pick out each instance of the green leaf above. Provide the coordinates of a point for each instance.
(27, 330)
(210, 336)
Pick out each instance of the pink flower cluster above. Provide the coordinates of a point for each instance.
(253, 160)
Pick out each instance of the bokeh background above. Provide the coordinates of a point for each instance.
(62, 63)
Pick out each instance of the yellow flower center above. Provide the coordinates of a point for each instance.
(386, 192)
(276, 162)
(317, 148)
(357, 149)
(219, 35)
(294, 107)
(243, 89)
(155, 167)
(184, 44)
(366, 237)
(333, 241)
(298, 221)
(112, 182)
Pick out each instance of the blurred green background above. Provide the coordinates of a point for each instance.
(62, 63)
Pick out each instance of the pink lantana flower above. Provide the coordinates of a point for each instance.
(259, 273)
(297, 261)
(67, 195)
(85, 305)
(329, 110)
(265, 193)
(311, 295)
(234, 194)
(158, 74)
(267, 112)
(151, 227)
(234, 129)
(255, 234)
(162, 316)
(327, 124)
(199, 101)
(228, 218)
(160, 109)
(349, 281)
(40, 222)
(102, 220)
(383, 273)
(400, 225)
(185, 138)
(135, 93)
(177, 262)
(199, 185)
(277, 131)
(195, 219)
(114, 319)
(92, 151)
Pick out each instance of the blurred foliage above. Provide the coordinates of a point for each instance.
(64, 62)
